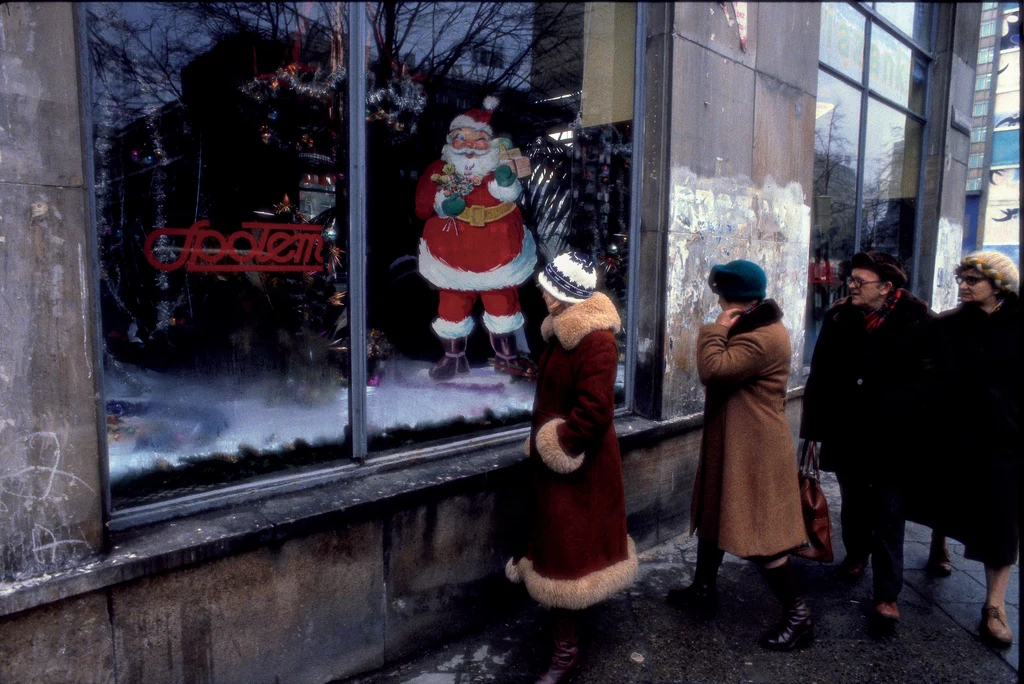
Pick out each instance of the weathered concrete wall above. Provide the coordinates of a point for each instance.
(50, 502)
(946, 154)
(741, 158)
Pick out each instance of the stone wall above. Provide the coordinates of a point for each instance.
(50, 467)
(741, 152)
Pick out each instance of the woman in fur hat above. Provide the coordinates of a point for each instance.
(974, 351)
(746, 499)
(579, 552)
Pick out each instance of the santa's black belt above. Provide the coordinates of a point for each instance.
(478, 215)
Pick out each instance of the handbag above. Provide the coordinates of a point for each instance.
(815, 508)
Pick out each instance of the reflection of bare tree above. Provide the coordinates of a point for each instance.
(834, 186)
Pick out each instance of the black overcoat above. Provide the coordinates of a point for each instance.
(967, 482)
(859, 397)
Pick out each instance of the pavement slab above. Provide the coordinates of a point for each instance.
(635, 636)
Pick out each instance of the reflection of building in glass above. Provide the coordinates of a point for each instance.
(992, 211)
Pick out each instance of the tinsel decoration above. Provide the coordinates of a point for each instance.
(398, 103)
(314, 83)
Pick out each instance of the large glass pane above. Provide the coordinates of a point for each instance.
(836, 138)
(892, 159)
(913, 18)
(842, 38)
(469, 196)
(216, 138)
(895, 72)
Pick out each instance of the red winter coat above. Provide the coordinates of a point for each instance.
(454, 247)
(579, 552)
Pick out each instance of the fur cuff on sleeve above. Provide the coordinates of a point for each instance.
(512, 571)
(551, 451)
(439, 197)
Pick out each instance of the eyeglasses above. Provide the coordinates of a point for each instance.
(854, 281)
(970, 280)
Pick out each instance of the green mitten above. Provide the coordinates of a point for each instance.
(453, 206)
(504, 175)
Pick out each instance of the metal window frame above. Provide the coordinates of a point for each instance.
(867, 93)
(231, 494)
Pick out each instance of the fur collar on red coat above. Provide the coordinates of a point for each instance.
(579, 320)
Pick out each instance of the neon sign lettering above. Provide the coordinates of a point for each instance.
(264, 247)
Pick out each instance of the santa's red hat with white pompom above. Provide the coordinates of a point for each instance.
(477, 119)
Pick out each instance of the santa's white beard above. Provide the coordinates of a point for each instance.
(480, 164)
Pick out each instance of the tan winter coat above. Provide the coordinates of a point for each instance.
(746, 494)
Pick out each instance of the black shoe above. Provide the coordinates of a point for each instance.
(794, 629)
(698, 596)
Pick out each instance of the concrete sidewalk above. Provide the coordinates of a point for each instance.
(636, 637)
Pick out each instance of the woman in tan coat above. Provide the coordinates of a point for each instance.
(746, 499)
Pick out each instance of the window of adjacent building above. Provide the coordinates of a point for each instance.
(975, 160)
(868, 138)
(983, 82)
(1005, 148)
(985, 55)
(988, 28)
(989, 6)
(980, 108)
(978, 135)
(221, 196)
(973, 184)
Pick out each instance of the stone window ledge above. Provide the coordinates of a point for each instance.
(386, 486)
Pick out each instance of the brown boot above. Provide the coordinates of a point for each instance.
(507, 358)
(795, 628)
(454, 359)
(938, 556)
(567, 652)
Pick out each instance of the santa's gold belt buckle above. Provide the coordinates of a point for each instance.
(478, 215)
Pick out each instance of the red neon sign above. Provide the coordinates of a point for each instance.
(263, 247)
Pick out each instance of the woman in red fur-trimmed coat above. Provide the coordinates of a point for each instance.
(579, 552)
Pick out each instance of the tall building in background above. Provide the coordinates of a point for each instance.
(992, 210)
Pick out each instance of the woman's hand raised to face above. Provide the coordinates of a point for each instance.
(727, 317)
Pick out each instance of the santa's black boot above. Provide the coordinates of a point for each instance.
(702, 595)
(507, 358)
(566, 655)
(454, 359)
(795, 628)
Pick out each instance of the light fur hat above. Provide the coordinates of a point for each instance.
(995, 266)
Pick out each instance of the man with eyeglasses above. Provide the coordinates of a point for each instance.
(857, 400)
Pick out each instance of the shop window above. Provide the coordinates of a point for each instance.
(836, 136)
(451, 293)
(221, 221)
(222, 279)
(842, 38)
(896, 73)
(912, 18)
(891, 166)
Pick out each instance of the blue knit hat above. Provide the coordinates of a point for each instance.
(571, 277)
(738, 281)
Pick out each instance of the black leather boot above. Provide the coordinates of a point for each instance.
(507, 358)
(454, 359)
(702, 595)
(795, 628)
(567, 650)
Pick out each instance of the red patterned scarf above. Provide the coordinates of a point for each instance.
(874, 319)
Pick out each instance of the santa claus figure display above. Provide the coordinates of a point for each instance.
(474, 244)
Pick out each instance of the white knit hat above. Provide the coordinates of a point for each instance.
(995, 266)
(570, 278)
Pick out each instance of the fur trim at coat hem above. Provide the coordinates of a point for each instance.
(577, 594)
(551, 451)
(512, 571)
